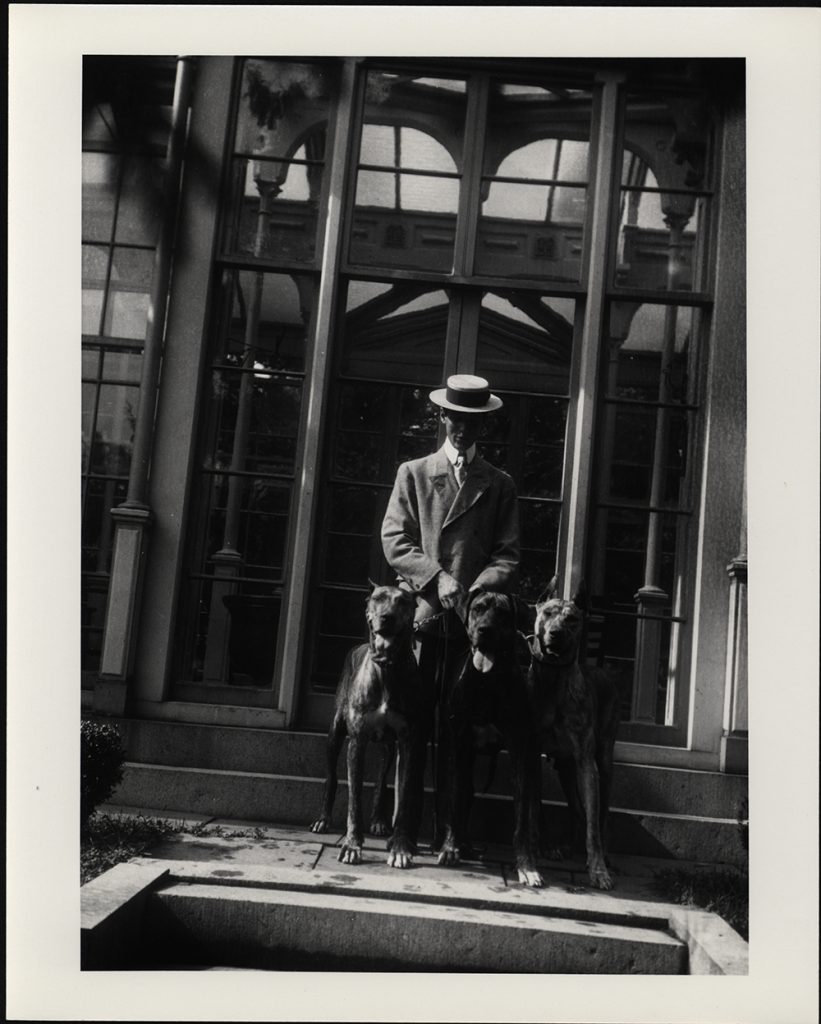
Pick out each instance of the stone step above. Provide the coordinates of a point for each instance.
(261, 751)
(295, 800)
(283, 929)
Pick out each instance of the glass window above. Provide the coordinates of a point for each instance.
(409, 173)
(664, 202)
(650, 380)
(534, 182)
(253, 408)
(278, 166)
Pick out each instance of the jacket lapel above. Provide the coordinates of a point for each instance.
(443, 483)
(477, 482)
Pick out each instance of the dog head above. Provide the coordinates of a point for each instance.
(490, 621)
(558, 628)
(389, 612)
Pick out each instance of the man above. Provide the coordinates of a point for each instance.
(451, 527)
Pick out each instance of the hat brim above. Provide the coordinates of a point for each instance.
(439, 397)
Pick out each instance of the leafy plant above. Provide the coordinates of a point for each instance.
(101, 765)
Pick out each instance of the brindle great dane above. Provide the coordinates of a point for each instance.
(378, 698)
(576, 714)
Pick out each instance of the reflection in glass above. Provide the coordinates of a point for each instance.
(534, 195)
(662, 239)
(252, 419)
(100, 179)
(408, 179)
(526, 342)
(643, 481)
(280, 145)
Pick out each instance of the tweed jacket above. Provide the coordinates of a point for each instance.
(431, 524)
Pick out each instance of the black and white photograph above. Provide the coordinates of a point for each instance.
(420, 397)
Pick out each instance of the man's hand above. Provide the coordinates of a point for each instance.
(451, 592)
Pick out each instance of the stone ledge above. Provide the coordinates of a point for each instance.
(111, 913)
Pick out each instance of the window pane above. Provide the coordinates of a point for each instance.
(97, 524)
(122, 366)
(539, 533)
(404, 219)
(396, 332)
(95, 269)
(91, 363)
(526, 342)
(279, 101)
(277, 176)
(343, 613)
(535, 132)
(114, 430)
(528, 229)
(87, 417)
(141, 202)
(100, 175)
(129, 294)
(662, 242)
(266, 317)
(275, 206)
(252, 410)
(653, 352)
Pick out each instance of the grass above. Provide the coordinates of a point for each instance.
(108, 840)
(722, 891)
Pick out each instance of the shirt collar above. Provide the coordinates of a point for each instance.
(453, 454)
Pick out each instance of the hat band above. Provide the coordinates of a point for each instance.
(469, 399)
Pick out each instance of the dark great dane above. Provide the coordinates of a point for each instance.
(487, 709)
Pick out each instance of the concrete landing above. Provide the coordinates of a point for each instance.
(277, 898)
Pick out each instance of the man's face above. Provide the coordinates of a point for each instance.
(462, 428)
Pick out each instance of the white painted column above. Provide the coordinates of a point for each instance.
(580, 429)
(318, 374)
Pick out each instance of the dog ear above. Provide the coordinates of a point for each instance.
(580, 597)
(471, 596)
(372, 584)
(550, 591)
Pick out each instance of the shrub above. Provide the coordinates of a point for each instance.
(101, 765)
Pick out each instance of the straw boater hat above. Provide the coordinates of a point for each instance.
(466, 393)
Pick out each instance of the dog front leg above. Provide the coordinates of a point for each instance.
(400, 845)
(459, 789)
(380, 824)
(351, 850)
(523, 783)
(588, 777)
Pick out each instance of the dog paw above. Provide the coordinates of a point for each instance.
(350, 854)
(448, 856)
(400, 858)
(530, 877)
(320, 825)
(600, 878)
(379, 828)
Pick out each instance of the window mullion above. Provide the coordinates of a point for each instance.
(580, 429)
(470, 192)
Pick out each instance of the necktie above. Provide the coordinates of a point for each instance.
(461, 469)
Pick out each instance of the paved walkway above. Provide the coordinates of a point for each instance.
(285, 859)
